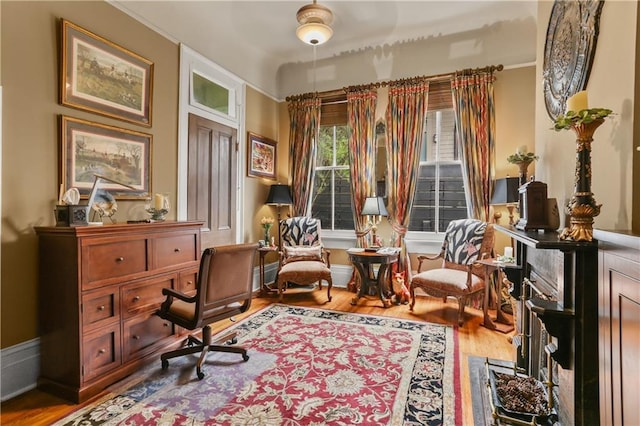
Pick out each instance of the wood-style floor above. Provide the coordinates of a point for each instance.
(39, 408)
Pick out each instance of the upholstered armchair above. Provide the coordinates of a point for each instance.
(224, 289)
(465, 242)
(303, 259)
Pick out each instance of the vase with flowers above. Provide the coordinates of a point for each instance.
(522, 158)
(267, 223)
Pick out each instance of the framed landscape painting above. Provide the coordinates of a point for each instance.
(88, 149)
(261, 156)
(102, 77)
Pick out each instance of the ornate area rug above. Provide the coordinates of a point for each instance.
(307, 367)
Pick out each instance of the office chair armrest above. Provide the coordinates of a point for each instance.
(169, 292)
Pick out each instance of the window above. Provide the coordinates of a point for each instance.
(440, 192)
(332, 186)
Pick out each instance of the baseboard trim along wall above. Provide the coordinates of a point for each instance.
(20, 368)
(21, 363)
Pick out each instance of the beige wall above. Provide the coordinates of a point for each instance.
(30, 32)
(263, 117)
(611, 85)
(30, 137)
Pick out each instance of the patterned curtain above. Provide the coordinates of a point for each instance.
(474, 108)
(406, 114)
(304, 116)
(361, 109)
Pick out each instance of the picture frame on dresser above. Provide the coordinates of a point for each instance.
(88, 149)
(102, 77)
(261, 156)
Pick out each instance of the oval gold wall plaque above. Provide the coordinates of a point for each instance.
(569, 50)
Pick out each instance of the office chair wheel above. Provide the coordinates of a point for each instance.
(245, 357)
(232, 341)
(165, 364)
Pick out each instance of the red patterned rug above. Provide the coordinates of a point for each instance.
(307, 367)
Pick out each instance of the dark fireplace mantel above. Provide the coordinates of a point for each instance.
(566, 273)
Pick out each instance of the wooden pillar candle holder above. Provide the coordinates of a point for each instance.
(582, 207)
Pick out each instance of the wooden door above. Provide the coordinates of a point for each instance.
(212, 179)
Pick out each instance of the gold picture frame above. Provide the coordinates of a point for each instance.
(100, 76)
(88, 149)
(261, 156)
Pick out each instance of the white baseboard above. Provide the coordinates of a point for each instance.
(21, 363)
(20, 368)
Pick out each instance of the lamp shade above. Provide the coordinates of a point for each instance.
(279, 195)
(505, 191)
(374, 206)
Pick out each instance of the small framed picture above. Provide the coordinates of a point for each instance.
(99, 76)
(261, 156)
(122, 156)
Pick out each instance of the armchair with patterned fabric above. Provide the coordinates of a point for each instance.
(303, 259)
(465, 242)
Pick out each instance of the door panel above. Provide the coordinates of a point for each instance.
(212, 180)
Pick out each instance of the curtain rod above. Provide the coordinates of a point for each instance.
(436, 77)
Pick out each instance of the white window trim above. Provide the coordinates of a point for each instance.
(192, 61)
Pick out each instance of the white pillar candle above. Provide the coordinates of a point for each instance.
(508, 252)
(158, 201)
(578, 102)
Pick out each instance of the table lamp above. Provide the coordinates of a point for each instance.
(505, 191)
(279, 195)
(374, 206)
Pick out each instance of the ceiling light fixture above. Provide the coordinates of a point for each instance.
(314, 22)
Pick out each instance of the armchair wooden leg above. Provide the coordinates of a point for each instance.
(329, 285)
(461, 304)
(413, 297)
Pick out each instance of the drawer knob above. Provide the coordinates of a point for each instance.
(136, 298)
(177, 250)
(102, 351)
(135, 337)
(189, 282)
(119, 259)
(101, 308)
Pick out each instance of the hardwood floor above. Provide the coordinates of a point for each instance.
(39, 408)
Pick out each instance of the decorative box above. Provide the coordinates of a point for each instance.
(67, 215)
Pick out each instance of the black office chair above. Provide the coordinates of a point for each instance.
(224, 289)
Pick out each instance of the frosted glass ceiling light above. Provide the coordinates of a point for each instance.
(314, 22)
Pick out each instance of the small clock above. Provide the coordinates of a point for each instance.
(533, 215)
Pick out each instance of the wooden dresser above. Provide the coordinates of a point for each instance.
(99, 288)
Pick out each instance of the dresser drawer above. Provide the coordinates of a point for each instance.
(101, 351)
(100, 307)
(142, 334)
(175, 250)
(187, 281)
(112, 260)
(145, 295)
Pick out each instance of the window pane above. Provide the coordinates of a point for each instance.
(332, 188)
(210, 94)
(343, 210)
(325, 147)
(321, 206)
(342, 146)
(440, 195)
(452, 199)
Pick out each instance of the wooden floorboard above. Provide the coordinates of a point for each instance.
(39, 408)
